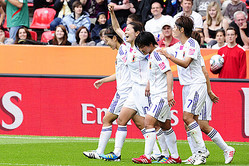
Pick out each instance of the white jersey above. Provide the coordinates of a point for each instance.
(196, 17)
(137, 64)
(123, 78)
(158, 65)
(193, 73)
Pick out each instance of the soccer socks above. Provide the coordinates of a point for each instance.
(171, 142)
(217, 139)
(150, 140)
(196, 135)
(119, 139)
(162, 142)
(104, 137)
(191, 143)
(156, 149)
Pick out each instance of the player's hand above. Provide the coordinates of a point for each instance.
(213, 97)
(98, 83)
(171, 101)
(164, 52)
(147, 90)
(111, 8)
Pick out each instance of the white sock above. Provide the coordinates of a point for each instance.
(119, 139)
(191, 143)
(217, 139)
(104, 137)
(196, 135)
(150, 139)
(156, 149)
(171, 142)
(162, 142)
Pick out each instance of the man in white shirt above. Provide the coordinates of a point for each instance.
(187, 11)
(154, 25)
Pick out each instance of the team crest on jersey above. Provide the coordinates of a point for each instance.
(162, 65)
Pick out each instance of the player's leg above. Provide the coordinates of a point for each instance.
(162, 143)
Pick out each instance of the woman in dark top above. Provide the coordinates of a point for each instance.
(99, 25)
(214, 21)
(60, 37)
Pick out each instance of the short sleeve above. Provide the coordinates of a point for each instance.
(193, 49)
(161, 61)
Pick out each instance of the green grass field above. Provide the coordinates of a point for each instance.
(41, 151)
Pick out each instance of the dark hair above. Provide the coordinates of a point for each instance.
(137, 26)
(232, 28)
(220, 30)
(76, 4)
(78, 32)
(99, 14)
(55, 41)
(111, 33)
(145, 39)
(157, 1)
(196, 35)
(186, 23)
(17, 34)
(188, 0)
(134, 17)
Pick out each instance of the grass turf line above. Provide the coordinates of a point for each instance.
(67, 151)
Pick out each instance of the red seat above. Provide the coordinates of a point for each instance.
(46, 36)
(42, 18)
(7, 34)
(33, 35)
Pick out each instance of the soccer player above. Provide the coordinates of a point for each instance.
(205, 117)
(161, 91)
(186, 54)
(124, 84)
(137, 102)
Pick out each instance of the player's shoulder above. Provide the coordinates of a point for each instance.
(192, 43)
(240, 47)
(156, 55)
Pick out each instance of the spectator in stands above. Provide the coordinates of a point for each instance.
(17, 15)
(100, 24)
(93, 7)
(224, 4)
(187, 11)
(234, 57)
(202, 42)
(154, 25)
(3, 39)
(200, 6)
(132, 18)
(42, 3)
(220, 38)
(102, 38)
(22, 34)
(168, 39)
(2, 15)
(214, 21)
(122, 9)
(236, 5)
(242, 28)
(60, 37)
(83, 37)
(75, 20)
(63, 8)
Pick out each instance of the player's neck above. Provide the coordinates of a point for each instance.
(183, 39)
(231, 45)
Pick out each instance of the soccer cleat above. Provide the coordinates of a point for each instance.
(142, 160)
(190, 160)
(171, 160)
(207, 153)
(199, 158)
(229, 153)
(92, 154)
(111, 157)
(162, 157)
(155, 156)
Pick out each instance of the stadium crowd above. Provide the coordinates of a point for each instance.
(209, 16)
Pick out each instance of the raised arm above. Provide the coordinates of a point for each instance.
(115, 23)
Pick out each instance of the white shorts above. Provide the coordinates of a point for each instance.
(117, 103)
(159, 109)
(206, 112)
(137, 100)
(193, 97)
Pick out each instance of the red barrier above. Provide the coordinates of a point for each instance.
(73, 107)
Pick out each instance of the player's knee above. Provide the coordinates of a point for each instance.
(122, 122)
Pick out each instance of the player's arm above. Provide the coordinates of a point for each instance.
(212, 96)
(16, 3)
(110, 78)
(147, 89)
(170, 96)
(183, 63)
(115, 23)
